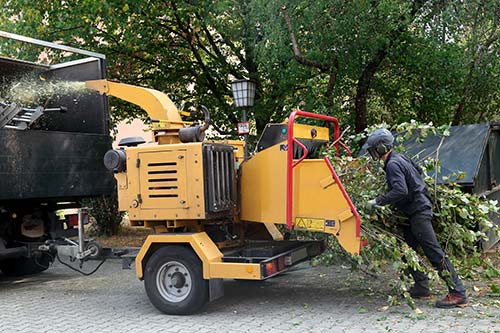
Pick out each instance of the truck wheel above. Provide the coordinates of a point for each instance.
(174, 282)
(25, 266)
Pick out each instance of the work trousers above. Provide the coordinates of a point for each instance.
(420, 233)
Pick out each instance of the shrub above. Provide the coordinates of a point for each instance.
(106, 218)
(460, 220)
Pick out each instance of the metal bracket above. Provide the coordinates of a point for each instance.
(127, 262)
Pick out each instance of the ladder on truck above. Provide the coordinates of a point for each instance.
(15, 117)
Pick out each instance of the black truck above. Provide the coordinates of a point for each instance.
(49, 164)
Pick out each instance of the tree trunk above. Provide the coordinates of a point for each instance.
(360, 122)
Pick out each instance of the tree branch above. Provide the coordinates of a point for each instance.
(469, 85)
(372, 66)
(299, 56)
(188, 36)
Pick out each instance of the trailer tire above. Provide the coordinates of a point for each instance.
(25, 266)
(174, 282)
(95, 249)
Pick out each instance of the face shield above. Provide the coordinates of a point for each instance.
(373, 153)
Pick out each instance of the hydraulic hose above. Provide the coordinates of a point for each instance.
(78, 270)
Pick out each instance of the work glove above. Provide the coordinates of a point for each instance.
(372, 204)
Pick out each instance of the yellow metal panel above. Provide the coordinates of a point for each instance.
(328, 181)
(152, 178)
(310, 198)
(345, 215)
(133, 189)
(314, 202)
(202, 245)
(306, 132)
(195, 188)
(163, 180)
(263, 179)
(263, 186)
(231, 270)
(122, 185)
(346, 236)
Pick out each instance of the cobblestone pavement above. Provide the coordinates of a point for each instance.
(321, 299)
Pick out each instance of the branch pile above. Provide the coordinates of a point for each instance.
(461, 221)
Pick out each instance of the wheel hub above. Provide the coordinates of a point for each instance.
(178, 280)
(173, 281)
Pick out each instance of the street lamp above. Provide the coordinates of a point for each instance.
(244, 96)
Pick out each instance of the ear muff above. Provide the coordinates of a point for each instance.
(381, 149)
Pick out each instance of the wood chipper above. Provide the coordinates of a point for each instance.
(214, 213)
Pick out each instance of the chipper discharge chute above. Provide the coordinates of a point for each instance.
(214, 213)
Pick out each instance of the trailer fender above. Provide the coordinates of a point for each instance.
(200, 243)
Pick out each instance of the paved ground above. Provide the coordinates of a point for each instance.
(305, 300)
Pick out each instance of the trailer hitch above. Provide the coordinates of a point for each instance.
(85, 250)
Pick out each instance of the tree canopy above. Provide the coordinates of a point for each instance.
(362, 61)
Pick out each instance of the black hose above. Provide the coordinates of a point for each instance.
(41, 265)
(80, 271)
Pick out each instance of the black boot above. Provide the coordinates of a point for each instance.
(419, 292)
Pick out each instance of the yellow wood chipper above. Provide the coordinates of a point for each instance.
(215, 213)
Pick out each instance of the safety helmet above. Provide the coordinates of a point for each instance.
(379, 143)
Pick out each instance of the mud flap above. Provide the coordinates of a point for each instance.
(215, 289)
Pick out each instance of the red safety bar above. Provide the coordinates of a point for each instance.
(291, 164)
(346, 196)
(346, 148)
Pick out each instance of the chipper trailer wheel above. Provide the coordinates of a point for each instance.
(174, 282)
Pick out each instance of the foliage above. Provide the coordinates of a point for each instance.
(404, 59)
(104, 211)
(364, 61)
(189, 49)
(460, 221)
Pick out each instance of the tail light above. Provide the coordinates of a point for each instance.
(270, 268)
(72, 219)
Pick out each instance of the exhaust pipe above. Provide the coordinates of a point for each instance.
(196, 133)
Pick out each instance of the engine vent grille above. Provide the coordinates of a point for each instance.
(162, 180)
(219, 177)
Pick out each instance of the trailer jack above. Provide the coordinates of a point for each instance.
(85, 249)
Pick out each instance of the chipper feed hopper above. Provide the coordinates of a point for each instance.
(215, 214)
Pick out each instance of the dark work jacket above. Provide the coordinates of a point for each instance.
(407, 189)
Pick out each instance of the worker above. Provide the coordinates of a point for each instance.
(408, 193)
